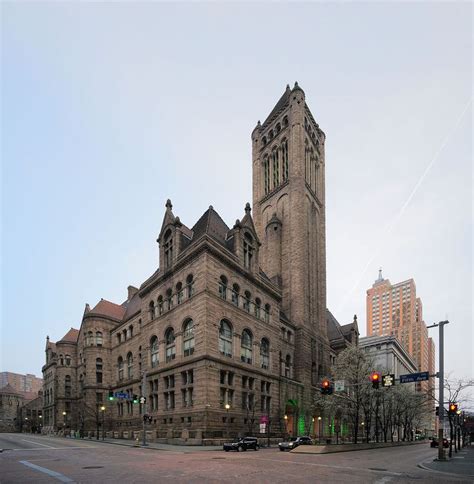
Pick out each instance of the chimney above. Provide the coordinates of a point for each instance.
(131, 292)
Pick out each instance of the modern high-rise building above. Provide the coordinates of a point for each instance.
(26, 384)
(395, 310)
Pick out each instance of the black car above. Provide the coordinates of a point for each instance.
(295, 442)
(242, 444)
(435, 443)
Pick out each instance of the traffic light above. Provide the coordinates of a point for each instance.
(111, 395)
(375, 379)
(437, 411)
(326, 387)
(135, 398)
(453, 408)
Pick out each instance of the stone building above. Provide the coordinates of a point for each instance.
(231, 327)
(10, 402)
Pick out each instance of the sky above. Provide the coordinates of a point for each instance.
(108, 109)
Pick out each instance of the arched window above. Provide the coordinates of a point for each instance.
(267, 313)
(98, 338)
(246, 347)
(170, 345)
(98, 370)
(67, 386)
(278, 127)
(68, 360)
(169, 299)
(225, 338)
(266, 174)
(154, 352)
(168, 247)
(188, 337)
(264, 140)
(130, 365)
(152, 310)
(248, 250)
(288, 366)
(247, 301)
(119, 338)
(160, 305)
(285, 121)
(223, 287)
(270, 134)
(130, 331)
(265, 353)
(61, 360)
(190, 285)
(235, 294)
(258, 305)
(179, 293)
(284, 153)
(120, 368)
(90, 338)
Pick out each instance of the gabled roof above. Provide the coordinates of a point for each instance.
(211, 224)
(333, 327)
(110, 309)
(70, 337)
(9, 390)
(279, 106)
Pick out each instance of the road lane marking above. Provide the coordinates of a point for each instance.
(56, 475)
(383, 480)
(37, 443)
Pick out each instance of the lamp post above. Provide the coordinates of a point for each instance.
(102, 409)
(320, 419)
(285, 417)
(363, 423)
(64, 424)
(227, 407)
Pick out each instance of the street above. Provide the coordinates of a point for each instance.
(41, 459)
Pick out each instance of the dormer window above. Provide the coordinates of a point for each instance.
(168, 246)
(248, 250)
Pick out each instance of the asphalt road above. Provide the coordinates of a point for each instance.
(39, 459)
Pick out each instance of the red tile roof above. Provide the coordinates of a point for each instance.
(110, 309)
(70, 336)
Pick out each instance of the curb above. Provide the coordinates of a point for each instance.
(332, 449)
(423, 466)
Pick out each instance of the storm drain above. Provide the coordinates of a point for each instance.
(93, 467)
(377, 469)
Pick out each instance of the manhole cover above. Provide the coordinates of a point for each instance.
(93, 467)
(377, 469)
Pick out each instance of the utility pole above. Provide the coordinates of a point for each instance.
(144, 408)
(441, 388)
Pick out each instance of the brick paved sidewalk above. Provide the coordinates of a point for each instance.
(461, 464)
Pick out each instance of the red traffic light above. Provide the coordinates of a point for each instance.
(326, 383)
(375, 377)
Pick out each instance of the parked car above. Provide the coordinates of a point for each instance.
(295, 442)
(242, 444)
(435, 443)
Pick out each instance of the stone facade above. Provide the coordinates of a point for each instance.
(231, 328)
(11, 401)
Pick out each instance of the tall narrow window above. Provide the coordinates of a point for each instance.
(247, 301)
(248, 250)
(170, 345)
(151, 309)
(223, 287)
(169, 299)
(284, 148)
(258, 305)
(235, 294)
(188, 338)
(120, 368)
(98, 370)
(160, 305)
(276, 168)
(190, 285)
(266, 174)
(154, 351)
(288, 366)
(168, 245)
(98, 338)
(246, 347)
(130, 365)
(179, 293)
(90, 338)
(265, 354)
(225, 338)
(67, 386)
(267, 313)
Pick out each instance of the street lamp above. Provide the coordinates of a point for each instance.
(227, 407)
(102, 409)
(285, 417)
(319, 427)
(64, 424)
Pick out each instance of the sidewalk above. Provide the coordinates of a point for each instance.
(461, 464)
(153, 445)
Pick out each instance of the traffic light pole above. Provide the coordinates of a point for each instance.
(144, 407)
(441, 388)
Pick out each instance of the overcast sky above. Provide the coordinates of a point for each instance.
(110, 109)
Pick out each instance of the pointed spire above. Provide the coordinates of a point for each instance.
(247, 208)
(169, 205)
(87, 309)
(355, 318)
(288, 87)
(380, 275)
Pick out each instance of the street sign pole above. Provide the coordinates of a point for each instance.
(144, 407)
(441, 388)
